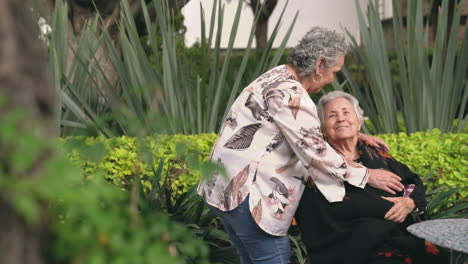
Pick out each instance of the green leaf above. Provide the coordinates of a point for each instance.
(420, 70)
(28, 206)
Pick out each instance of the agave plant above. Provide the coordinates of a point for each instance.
(445, 202)
(157, 93)
(430, 93)
(78, 79)
(440, 206)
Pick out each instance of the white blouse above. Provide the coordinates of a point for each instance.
(271, 144)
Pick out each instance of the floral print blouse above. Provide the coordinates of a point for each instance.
(271, 144)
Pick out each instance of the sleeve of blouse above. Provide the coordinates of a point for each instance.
(418, 194)
(298, 121)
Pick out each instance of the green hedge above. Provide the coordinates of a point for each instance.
(120, 161)
(446, 155)
(443, 155)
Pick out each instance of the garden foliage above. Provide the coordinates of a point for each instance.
(429, 86)
(121, 158)
(156, 89)
(440, 157)
(88, 220)
(428, 153)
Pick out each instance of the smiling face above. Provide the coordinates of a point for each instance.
(341, 121)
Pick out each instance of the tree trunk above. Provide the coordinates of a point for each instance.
(433, 17)
(24, 83)
(263, 11)
(261, 34)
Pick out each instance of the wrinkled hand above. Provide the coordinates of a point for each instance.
(385, 180)
(373, 141)
(400, 210)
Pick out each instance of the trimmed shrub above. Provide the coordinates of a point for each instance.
(443, 155)
(122, 158)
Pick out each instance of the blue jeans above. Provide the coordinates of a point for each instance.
(253, 244)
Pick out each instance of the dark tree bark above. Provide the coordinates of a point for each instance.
(177, 5)
(262, 9)
(434, 15)
(24, 83)
(82, 11)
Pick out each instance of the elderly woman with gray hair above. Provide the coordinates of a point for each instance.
(369, 225)
(271, 145)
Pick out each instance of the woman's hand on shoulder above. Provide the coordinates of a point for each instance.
(385, 180)
(373, 141)
(402, 207)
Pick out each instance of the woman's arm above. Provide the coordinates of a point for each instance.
(415, 202)
(373, 141)
(298, 121)
(385, 180)
(415, 198)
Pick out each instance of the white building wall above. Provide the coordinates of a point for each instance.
(334, 14)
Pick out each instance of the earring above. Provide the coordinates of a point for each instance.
(313, 77)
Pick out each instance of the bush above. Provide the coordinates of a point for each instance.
(444, 155)
(120, 159)
(424, 152)
(87, 220)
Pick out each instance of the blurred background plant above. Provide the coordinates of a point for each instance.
(89, 220)
(153, 76)
(427, 86)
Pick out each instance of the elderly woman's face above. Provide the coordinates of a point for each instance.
(327, 75)
(341, 121)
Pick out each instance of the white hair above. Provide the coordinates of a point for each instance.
(335, 95)
(317, 43)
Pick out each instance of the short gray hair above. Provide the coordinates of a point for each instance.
(317, 43)
(335, 95)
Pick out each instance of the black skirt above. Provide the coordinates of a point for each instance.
(355, 231)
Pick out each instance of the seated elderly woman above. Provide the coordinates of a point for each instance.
(368, 226)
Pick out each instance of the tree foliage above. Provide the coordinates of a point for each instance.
(27, 110)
